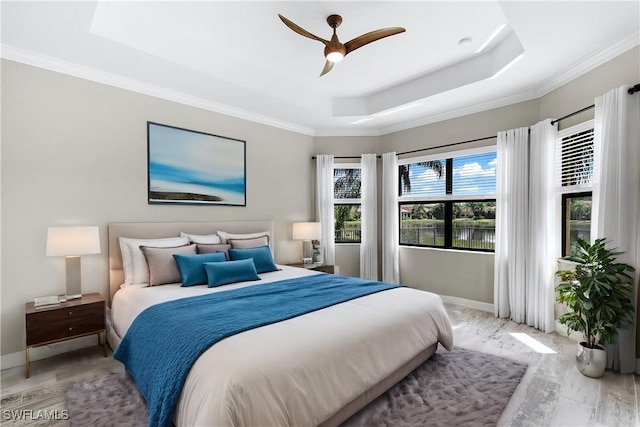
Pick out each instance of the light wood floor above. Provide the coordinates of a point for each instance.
(552, 392)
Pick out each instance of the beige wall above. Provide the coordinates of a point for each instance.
(74, 153)
(580, 93)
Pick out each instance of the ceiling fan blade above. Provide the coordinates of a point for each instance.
(302, 31)
(327, 67)
(367, 38)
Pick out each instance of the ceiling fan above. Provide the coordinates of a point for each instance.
(334, 51)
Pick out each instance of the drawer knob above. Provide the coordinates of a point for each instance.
(70, 329)
(70, 313)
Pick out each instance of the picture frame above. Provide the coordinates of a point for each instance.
(195, 168)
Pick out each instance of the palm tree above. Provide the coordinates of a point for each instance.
(405, 182)
(348, 183)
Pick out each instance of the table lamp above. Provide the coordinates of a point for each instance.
(306, 231)
(71, 242)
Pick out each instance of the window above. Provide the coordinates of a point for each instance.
(449, 201)
(575, 176)
(576, 219)
(347, 182)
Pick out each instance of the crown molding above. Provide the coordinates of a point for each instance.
(464, 111)
(589, 63)
(57, 65)
(570, 73)
(347, 132)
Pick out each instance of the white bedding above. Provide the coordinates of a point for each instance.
(303, 370)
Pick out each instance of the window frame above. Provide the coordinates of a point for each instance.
(570, 191)
(448, 199)
(337, 201)
(564, 196)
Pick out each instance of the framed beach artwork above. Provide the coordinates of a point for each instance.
(190, 167)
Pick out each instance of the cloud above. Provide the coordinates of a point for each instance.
(469, 170)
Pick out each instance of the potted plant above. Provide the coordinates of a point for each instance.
(598, 295)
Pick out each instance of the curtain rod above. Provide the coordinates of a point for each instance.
(421, 149)
(447, 145)
(553, 122)
(630, 91)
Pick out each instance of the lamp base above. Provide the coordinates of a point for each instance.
(73, 277)
(317, 254)
(307, 251)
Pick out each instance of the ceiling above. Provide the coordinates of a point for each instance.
(238, 58)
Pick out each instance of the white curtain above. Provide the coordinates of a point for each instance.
(390, 220)
(616, 193)
(324, 207)
(512, 219)
(544, 242)
(369, 218)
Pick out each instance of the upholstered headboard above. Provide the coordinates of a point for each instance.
(155, 230)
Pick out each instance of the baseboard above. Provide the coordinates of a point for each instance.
(37, 353)
(478, 305)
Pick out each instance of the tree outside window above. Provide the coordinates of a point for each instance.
(347, 184)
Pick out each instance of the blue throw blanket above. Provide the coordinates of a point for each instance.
(165, 340)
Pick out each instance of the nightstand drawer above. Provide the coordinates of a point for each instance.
(64, 322)
(69, 319)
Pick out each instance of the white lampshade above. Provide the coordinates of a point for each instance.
(306, 231)
(72, 241)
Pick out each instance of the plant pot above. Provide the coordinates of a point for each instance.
(591, 362)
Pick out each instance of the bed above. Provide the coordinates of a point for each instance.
(315, 369)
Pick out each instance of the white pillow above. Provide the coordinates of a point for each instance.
(208, 239)
(226, 236)
(133, 262)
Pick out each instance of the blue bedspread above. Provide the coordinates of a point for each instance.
(165, 340)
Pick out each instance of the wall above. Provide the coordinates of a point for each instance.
(580, 93)
(74, 153)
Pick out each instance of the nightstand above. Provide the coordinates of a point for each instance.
(325, 268)
(71, 319)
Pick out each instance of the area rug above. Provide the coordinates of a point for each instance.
(458, 388)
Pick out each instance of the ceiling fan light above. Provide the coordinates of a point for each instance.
(335, 56)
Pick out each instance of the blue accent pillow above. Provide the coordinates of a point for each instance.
(223, 273)
(261, 257)
(192, 267)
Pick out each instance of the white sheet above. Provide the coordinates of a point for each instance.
(303, 370)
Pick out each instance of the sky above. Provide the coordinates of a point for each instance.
(472, 175)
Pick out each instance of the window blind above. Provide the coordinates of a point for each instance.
(470, 175)
(574, 164)
(347, 183)
(475, 174)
